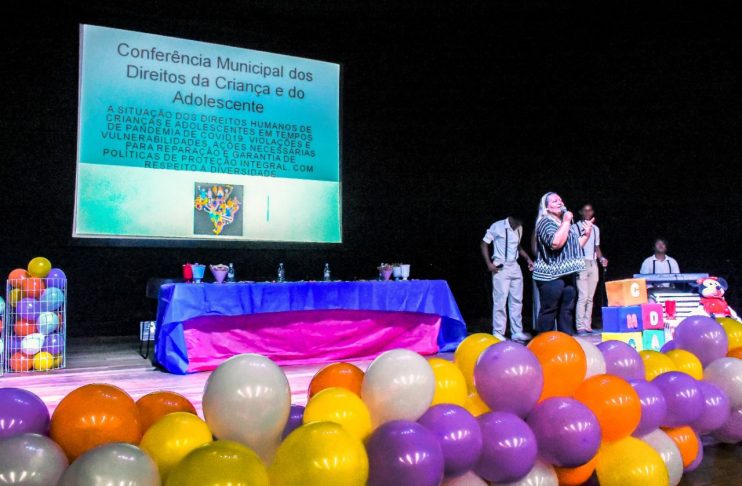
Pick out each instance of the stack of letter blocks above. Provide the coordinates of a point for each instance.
(630, 318)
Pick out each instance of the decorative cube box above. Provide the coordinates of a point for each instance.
(633, 339)
(653, 317)
(622, 319)
(653, 340)
(632, 291)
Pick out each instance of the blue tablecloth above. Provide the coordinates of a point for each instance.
(180, 302)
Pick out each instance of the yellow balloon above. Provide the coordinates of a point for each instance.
(656, 363)
(341, 406)
(475, 405)
(686, 362)
(14, 296)
(450, 384)
(320, 454)
(733, 329)
(468, 352)
(220, 463)
(39, 267)
(172, 437)
(43, 361)
(628, 462)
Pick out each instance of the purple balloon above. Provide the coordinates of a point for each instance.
(296, 416)
(683, 398)
(668, 346)
(14, 344)
(697, 461)
(404, 453)
(459, 435)
(509, 378)
(53, 343)
(567, 432)
(28, 309)
(622, 360)
(716, 408)
(702, 336)
(22, 412)
(56, 278)
(653, 404)
(731, 431)
(509, 449)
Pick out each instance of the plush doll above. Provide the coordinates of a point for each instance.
(712, 291)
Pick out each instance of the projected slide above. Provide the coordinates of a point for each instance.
(184, 140)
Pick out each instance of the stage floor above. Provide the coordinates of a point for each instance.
(117, 361)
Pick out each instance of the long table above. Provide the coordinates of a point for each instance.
(201, 325)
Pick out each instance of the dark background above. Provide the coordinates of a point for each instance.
(454, 115)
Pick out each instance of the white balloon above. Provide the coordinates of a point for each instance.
(468, 479)
(594, 358)
(31, 459)
(666, 447)
(247, 399)
(726, 373)
(541, 474)
(112, 464)
(32, 343)
(399, 384)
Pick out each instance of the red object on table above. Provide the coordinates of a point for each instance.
(670, 307)
(187, 272)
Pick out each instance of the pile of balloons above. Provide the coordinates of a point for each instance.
(35, 333)
(559, 411)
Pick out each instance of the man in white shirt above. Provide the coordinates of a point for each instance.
(507, 277)
(587, 280)
(660, 262)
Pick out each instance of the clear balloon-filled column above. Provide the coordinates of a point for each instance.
(34, 324)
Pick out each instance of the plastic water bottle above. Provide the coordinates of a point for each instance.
(281, 273)
(326, 274)
(230, 273)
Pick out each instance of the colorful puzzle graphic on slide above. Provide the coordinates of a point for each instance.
(218, 204)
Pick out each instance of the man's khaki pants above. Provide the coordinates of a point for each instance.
(507, 289)
(587, 282)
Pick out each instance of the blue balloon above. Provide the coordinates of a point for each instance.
(51, 300)
(48, 322)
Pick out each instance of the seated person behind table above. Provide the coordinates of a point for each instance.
(660, 262)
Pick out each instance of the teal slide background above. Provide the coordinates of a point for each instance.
(118, 196)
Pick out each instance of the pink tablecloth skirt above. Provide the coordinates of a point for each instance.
(304, 337)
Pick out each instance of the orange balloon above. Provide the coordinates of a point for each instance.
(614, 402)
(20, 362)
(574, 476)
(33, 287)
(153, 406)
(337, 375)
(17, 276)
(687, 442)
(94, 415)
(23, 328)
(563, 362)
(735, 353)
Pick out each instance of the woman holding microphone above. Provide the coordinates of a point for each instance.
(559, 259)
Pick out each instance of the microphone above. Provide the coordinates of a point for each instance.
(564, 211)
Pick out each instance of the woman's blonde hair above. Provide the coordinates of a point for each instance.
(543, 205)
